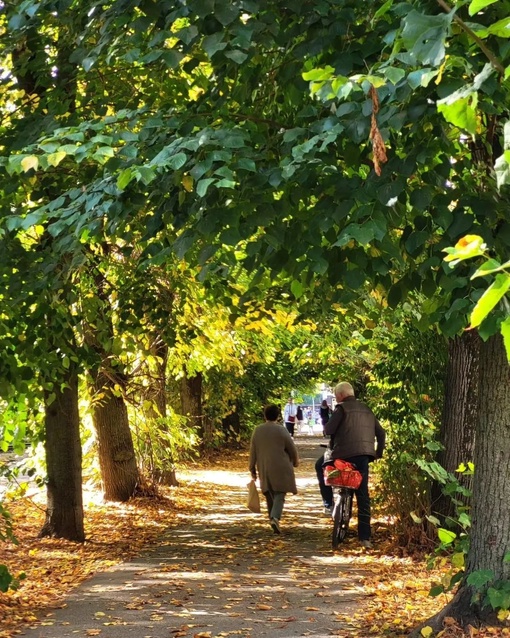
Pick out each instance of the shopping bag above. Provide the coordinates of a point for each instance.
(253, 502)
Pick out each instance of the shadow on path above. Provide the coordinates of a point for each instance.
(222, 572)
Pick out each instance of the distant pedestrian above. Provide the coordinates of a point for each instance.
(273, 456)
(299, 418)
(325, 413)
(289, 416)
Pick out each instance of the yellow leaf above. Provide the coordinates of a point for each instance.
(187, 182)
(264, 607)
(54, 159)
(31, 161)
(426, 632)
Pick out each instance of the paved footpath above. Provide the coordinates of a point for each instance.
(222, 572)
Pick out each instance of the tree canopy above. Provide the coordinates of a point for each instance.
(315, 158)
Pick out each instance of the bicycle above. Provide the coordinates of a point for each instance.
(344, 479)
(341, 514)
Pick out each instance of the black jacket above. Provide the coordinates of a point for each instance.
(354, 430)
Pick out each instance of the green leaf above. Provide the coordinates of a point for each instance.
(182, 244)
(124, 178)
(145, 174)
(502, 169)
(319, 75)
(213, 43)
(32, 219)
(362, 233)
(236, 56)
(393, 74)
(480, 578)
(247, 164)
(490, 298)
(5, 578)
(296, 288)
(446, 536)
(505, 331)
(424, 36)
(437, 590)
(498, 598)
(478, 5)
(461, 113)
(87, 63)
(203, 185)
(458, 560)
(225, 13)
(465, 520)
(226, 183)
(501, 29)
(395, 295)
(177, 161)
(489, 267)
(172, 58)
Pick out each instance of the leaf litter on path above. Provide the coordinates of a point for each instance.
(224, 562)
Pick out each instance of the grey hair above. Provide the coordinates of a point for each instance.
(345, 389)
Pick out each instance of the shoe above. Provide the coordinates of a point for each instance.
(366, 544)
(275, 525)
(328, 510)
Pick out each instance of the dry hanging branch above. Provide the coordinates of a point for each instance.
(378, 146)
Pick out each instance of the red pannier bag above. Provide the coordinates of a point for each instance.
(342, 474)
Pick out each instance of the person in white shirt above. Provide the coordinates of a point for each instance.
(289, 416)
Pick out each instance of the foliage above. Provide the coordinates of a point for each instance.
(473, 246)
(405, 388)
(7, 580)
(163, 445)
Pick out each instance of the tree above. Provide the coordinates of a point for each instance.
(230, 163)
(459, 419)
(64, 512)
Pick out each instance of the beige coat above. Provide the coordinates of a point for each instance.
(274, 456)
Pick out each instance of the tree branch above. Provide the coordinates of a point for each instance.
(488, 53)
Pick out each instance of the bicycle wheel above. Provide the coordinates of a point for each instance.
(341, 516)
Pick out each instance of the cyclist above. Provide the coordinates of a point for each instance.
(353, 429)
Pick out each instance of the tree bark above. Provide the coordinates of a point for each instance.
(191, 407)
(119, 470)
(460, 414)
(64, 513)
(489, 539)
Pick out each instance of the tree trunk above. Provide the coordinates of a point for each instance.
(459, 417)
(490, 537)
(119, 470)
(191, 407)
(64, 513)
(489, 541)
(157, 398)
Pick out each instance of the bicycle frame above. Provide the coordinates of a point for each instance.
(341, 515)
